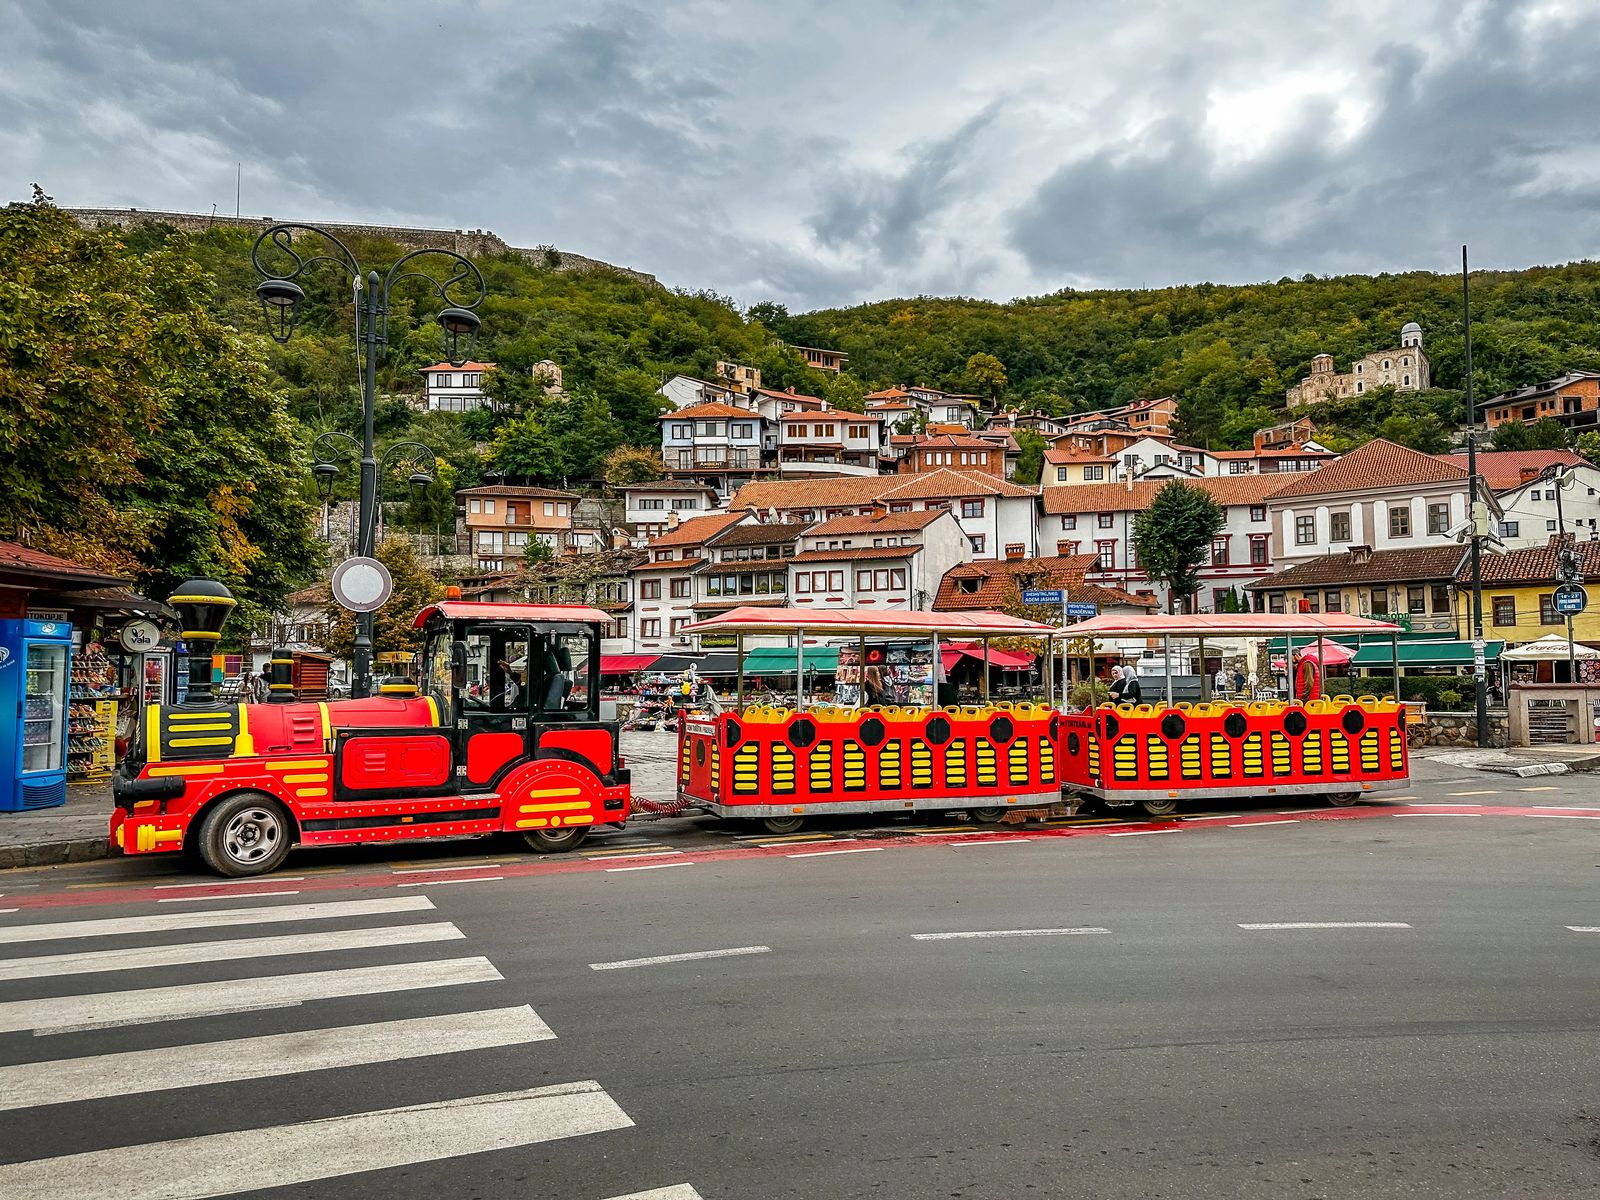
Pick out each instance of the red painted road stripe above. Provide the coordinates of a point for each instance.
(382, 878)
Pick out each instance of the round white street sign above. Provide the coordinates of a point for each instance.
(362, 584)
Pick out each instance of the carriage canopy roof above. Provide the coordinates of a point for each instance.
(752, 619)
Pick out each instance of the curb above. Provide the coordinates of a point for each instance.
(1531, 770)
(49, 854)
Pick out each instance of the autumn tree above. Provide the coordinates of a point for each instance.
(414, 589)
(631, 464)
(1174, 536)
(986, 374)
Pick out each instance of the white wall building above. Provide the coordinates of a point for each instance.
(653, 508)
(883, 560)
(449, 388)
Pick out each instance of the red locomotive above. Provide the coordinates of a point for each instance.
(505, 735)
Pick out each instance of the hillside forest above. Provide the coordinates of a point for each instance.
(152, 426)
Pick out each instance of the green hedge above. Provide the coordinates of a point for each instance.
(1448, 693)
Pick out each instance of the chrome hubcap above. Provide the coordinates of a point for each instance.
(252, 835)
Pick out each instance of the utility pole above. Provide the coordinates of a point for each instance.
(1479, 671)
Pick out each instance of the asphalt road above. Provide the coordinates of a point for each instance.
(1417, 1018)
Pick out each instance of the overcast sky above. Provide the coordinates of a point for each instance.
(826, 152)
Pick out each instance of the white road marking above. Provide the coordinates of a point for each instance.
(435, 870)
(991, 840)
(221, 1164)
(658, 959)
(132, 958)
(1142, 832)
(1584, 928)
(632, 854)
(1294, 812)
(204, 899)
(442, 882)
(649, 867)
(9, 910)
(66, 1081)
(216, 883)
(681, 1191)
(212, 918)
(1002, 933)
(1438, 814)
(58, 1014)
(1566, 816)
(1259, 824)
(1543, 787)
(1328, 925)
(1480, 792)
(825, 853)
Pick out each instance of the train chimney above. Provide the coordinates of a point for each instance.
(203, 608)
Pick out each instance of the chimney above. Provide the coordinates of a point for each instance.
(1528, 474)
(673, 519)
(1360, 555)
(790, 389)
(880, 510)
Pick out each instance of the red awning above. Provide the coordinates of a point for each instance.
(1006, 660)
(626, 664)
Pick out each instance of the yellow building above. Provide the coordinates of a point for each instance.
(1519, 596)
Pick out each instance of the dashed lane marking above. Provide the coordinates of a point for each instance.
(1584, 928)
(825, 853)
(1325, 925)
(1479, 792)
(616, 854)
(1261, 824)
(229, 883)
(442, 882)
(690, 956)
(212, 918)
(1142, 832)
(218, 1164)
(210, 899)
(434, 870)
(680, 1191)
(1542, 787)
(1072, 931)
(648, 867)
(66, 1081)
(992, 841)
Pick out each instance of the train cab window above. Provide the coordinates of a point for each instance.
(498, 669)
(436, 669)
(564, 681)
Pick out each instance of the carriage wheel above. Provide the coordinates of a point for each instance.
(555, 841)
(986, 816)
(1163, 807)
(1344, 799)
(782, 824)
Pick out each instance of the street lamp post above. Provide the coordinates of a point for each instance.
(280, 300)
(1568, 569)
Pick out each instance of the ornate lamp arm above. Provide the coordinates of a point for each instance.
(282, 239)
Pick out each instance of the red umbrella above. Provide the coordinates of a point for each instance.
(1332, 654)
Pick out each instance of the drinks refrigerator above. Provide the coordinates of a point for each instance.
(35, 662)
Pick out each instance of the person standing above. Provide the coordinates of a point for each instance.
(1118, 684)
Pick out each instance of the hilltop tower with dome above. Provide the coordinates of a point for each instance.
(1404, 368)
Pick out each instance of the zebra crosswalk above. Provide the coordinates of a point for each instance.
(138, 1049)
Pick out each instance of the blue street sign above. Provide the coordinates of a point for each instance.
(1571, 599)
(1082, 609)
(1041, 596)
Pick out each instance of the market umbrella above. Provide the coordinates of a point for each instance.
(1550, 648)
(1331, 653)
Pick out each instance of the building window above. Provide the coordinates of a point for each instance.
(682, 432)
(1061, 474)
(1015, 549)
(650, 628)
(1509, 528)
(1305, 531)
(1441, 598)
(677, 625)
(1406, 382)
(1104, 520)
(1387, 363)
(1258, 512)
(1275, 602)
(743, 430)
(1093, 473)
(680, 589)
(1379, 600)
(977, 541)
(1332, 602)
(1259, 556)
(1550, 526)
(1399, 522)
(1416, 601)
(1309, 602)
(1438, 518)
(663, 555)
(652, 505)
(1069, 522)
(1108, 555)
(1547, 610)
(1219, 552)
(1339, 526)
(1505, 610)
(972, 508)
(488, 506)
(474, 506)
(650, 589)
(1068, 549)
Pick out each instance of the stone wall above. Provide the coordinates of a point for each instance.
(470, 242)
(1460, 729)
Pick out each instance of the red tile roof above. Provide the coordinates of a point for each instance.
(890, 393)
(1421, 565)
(855, 552)
(1378, 464)
(879, 522)
(817, 401)
(696, 530)
(675, 564)
(19, 560)
(851, 491)
(466, 366)
(1062, 458)
(710, 408)
(1502, 469)
(996, 578)
(949, 441)
(1119, 497)
(516, 492)
(1536, 564)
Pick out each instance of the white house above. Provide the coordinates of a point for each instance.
(1100, 520)
(652, 507)
(999, 518)
(830, 442)
(1522, 483)
(449, 388)
(884, 560)
(664, 584)
(719, 445)
(686, 390)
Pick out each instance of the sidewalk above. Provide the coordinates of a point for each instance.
(75, 832)
(1522, 761)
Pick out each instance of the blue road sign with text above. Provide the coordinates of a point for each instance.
(1041, 596)
(1082, 609)
(1571, 599)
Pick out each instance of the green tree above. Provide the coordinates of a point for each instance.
(1174, 539)
(986, 374)
(845, 392)
(414, 589)
(631, 464)
(141, 434)
(1030, 463)
(1511, 435)
(1588, 445)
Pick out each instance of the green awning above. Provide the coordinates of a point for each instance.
(779, 660)
(1424, 654)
